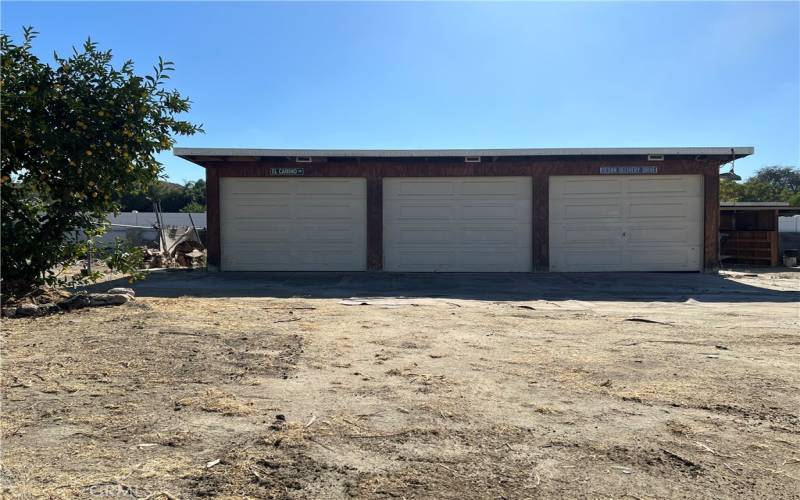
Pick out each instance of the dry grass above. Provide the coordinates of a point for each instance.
(216, 401)
(448, 398)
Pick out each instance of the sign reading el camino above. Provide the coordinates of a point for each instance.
(287, 171)
(628, 170)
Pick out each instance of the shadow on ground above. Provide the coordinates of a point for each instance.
(667, 287)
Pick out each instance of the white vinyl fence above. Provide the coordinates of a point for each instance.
(147, 219)
(789, 224)
(137, 227)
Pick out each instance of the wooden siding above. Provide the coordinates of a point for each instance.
(212, 215)
(750, 236)
(539, 168)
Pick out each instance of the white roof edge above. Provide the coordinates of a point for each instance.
(739, 204)
(410, 153)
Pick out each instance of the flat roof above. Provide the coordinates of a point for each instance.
(756, 205)
(196, 153)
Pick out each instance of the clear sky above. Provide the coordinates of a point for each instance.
(450, 75)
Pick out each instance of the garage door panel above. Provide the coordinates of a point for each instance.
(457, 224)
(328, 211)
(480, 188)
(327, 235)
(324, 258)
(493, 236)
(651, 185)
(421, 211)
(420, 187)
(326, 188)
(426, 235)
(589, 260)
(587, 188)
(428, 260)
(246, 257)
(477, 211)
(663, 235)
(475, 260)
(685, 186)
(257, 187)
(243, 203)
(663, 258)
(298, 224)
(583, 211)
(589, 235)
(672, 209)
(444, 261)
(658, 224)
(259, 232)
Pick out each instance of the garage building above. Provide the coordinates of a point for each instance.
(493, 210)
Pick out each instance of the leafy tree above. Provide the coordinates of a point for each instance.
(768, 184)
(729, 190)
(782, 178)
(173, 197)
(76, 136)
(197, 191)
(193, 207)
(756, 190)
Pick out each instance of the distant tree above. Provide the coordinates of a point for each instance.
(782, 178)
(197, 191)
(170, 196)
(768, 184)
(173, 197)
(756, 190)
(193, 208)
(729, 190)
(75, 137)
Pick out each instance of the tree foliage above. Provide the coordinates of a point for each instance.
(173, 198)
(77, 135)
(768, 184)
(785, 179)
(193, 207)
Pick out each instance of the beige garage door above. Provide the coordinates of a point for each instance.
(293, 224)
(626, 223)
(465, 224)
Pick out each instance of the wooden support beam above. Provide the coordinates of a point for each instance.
(541, 223)
(711, 217)
(214, 253)
(374, 222)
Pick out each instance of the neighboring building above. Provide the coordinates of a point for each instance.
(495, 210)
(751, 233)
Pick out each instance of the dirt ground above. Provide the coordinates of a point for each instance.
(392, 397)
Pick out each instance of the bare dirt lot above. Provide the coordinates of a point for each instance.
(511, 387)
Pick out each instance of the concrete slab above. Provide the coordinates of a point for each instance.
(670, 287)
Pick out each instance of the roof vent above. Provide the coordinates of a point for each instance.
(472, 159)
(655, 157)
(303, 159)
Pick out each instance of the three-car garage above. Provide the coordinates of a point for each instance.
(576, 210)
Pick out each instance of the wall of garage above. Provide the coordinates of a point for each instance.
(539, 169)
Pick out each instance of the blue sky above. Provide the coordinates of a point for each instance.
(450, 75)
